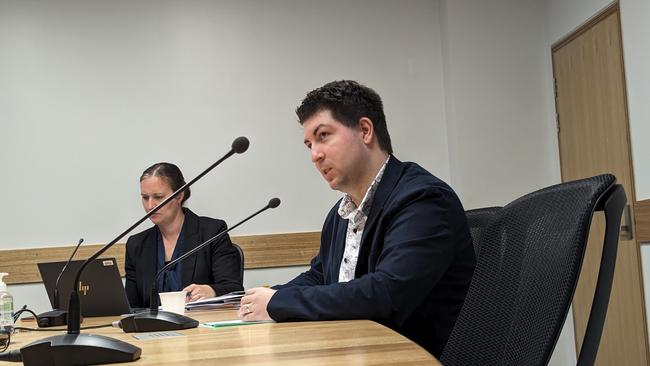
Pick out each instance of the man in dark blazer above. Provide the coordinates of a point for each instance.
(395, 249)
(218, 265)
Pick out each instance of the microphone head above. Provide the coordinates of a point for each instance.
(274, 202)
(240, 144)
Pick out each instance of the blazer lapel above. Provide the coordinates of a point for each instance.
(191, 241)
(340, 232)
(388, 182)
(149, 260)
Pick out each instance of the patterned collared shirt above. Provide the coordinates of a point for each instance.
(356, 217)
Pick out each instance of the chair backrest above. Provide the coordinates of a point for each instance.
(477, 220)
(241, 261)
(526, 273)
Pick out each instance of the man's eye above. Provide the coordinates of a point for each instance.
(322, 135)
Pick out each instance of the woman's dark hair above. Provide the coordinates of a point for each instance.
(171, 174)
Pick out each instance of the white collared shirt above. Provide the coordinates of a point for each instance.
(357, 217)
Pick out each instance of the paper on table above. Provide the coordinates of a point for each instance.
(156, 335)
(230, 323)
(231, 298)
(219, 306)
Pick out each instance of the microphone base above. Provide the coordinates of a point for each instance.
(156, 322)
(78, 349)
(52, 318)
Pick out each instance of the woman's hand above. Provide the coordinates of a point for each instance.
(198, 292)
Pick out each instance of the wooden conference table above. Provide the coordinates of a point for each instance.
(350, 342)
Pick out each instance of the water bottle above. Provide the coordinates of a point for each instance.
(6, 306)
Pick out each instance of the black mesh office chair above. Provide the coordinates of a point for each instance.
(526, 273)
(477, 220)
(241, 261)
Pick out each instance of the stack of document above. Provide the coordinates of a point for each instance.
(227, 301)
(230, 323)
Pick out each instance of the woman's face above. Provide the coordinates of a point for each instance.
(154, 190)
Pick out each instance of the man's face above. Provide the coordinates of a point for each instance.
(336, 150)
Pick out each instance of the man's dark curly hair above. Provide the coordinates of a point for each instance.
(348, 101)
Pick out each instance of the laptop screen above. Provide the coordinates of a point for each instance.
(101, 292)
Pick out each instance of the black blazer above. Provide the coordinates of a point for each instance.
(217, 265)
(415, 262)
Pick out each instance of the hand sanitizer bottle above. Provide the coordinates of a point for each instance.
(6, 306)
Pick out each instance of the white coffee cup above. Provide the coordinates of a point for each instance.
(173, 301)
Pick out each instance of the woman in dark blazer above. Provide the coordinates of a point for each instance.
(213, 271)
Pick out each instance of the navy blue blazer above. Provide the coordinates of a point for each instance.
(217, 265)
(415, 262)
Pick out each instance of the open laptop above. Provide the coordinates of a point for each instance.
(101, 292)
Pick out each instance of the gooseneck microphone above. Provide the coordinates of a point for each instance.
(157, 321)
(74, 348)
(57, 317)
(239, 145)
(56, 285)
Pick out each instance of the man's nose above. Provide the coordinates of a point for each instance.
(316, 155)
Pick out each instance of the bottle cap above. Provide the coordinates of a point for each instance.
(3, 286)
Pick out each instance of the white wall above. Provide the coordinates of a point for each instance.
(92, 92)
(636, 50)
(564, 16)
(501, 134)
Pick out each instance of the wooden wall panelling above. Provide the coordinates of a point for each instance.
(260, 251)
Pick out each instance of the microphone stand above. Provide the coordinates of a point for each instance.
(56, 316)
(155, 320)
(74, 348)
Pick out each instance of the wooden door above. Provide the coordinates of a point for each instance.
(593, 139)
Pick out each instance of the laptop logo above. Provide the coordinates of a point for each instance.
(107, 263)
(84, 288)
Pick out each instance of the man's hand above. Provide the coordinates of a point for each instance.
(198, 292)
(253, 304)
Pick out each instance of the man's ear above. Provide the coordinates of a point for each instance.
(367, 130)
